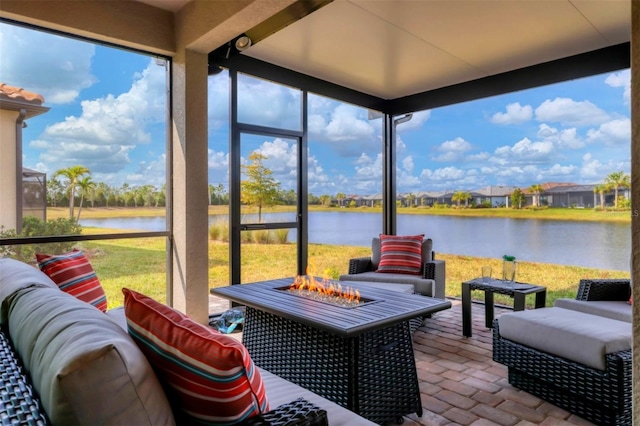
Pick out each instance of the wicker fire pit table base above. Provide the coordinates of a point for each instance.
(372, 374)
(360, 357)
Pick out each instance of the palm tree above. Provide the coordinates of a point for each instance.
(86, 186)
(618, 180)
(517, 198)
(601, 189)
(459, 196)
(73, 174)
(410, 199)
(536, 190)
(54, 191)
(340, 196)
(103, 191)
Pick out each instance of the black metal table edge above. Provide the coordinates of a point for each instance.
(489, 290)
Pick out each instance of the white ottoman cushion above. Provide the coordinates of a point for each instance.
(617, 310)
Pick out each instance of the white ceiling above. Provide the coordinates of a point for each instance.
(394, 48)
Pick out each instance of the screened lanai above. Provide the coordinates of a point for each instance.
(394, 57)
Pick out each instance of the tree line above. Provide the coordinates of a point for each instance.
(74, 185)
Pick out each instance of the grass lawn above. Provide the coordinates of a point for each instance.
(140, 264)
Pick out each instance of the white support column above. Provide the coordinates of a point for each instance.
(190, 215)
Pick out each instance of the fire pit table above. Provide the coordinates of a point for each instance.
(360, 357)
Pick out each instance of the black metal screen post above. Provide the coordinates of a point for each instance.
(389, 176)
(303, 191)
(234, 182)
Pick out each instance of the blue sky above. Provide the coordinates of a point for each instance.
(108, 113)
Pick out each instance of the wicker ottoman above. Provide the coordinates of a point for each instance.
(578, 361)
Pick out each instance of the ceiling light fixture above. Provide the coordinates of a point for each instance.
(243, 42)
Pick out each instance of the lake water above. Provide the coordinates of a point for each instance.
(591, 244)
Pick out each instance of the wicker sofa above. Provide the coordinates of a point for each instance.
(576, 354)
(62, 361)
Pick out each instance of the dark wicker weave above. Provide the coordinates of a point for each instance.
(372, 374)
(19, 403)
(602, 397)
(296, 413)
(613, 289)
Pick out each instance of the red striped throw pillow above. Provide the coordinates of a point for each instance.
(73, 274)
(212, 377)
(401, 254)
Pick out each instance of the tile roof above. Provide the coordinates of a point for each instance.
(19, 94)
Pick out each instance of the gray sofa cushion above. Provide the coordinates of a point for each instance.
(580, 337)
(280, 391)
(617, 310)
(85, 367)
(15, 275)
(421, 285)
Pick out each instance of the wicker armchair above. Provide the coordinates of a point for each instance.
(430, 282)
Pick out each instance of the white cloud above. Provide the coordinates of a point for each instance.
(56, 67)
(559, 171)
(367, 178)
(108, 129)
(615, 132)
(524, 151)
(452, 150)
(570, 113)
(482, 156)
(345, 127)
(565, 138)
(621, 79)
(282, 161)
(591, 167)
(515, 114)
(150, 173)
(217, 160)
(407, 164)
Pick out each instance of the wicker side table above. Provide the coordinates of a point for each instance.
(516, 290)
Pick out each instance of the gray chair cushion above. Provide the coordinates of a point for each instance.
(580, 337)
(420, 285)
(617, 310)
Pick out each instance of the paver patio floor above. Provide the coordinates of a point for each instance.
(459, 381)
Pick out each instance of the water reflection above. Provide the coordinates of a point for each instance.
(590, 244)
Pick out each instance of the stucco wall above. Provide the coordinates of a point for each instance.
(8, 168)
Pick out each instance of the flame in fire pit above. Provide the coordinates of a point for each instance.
(325, 289)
